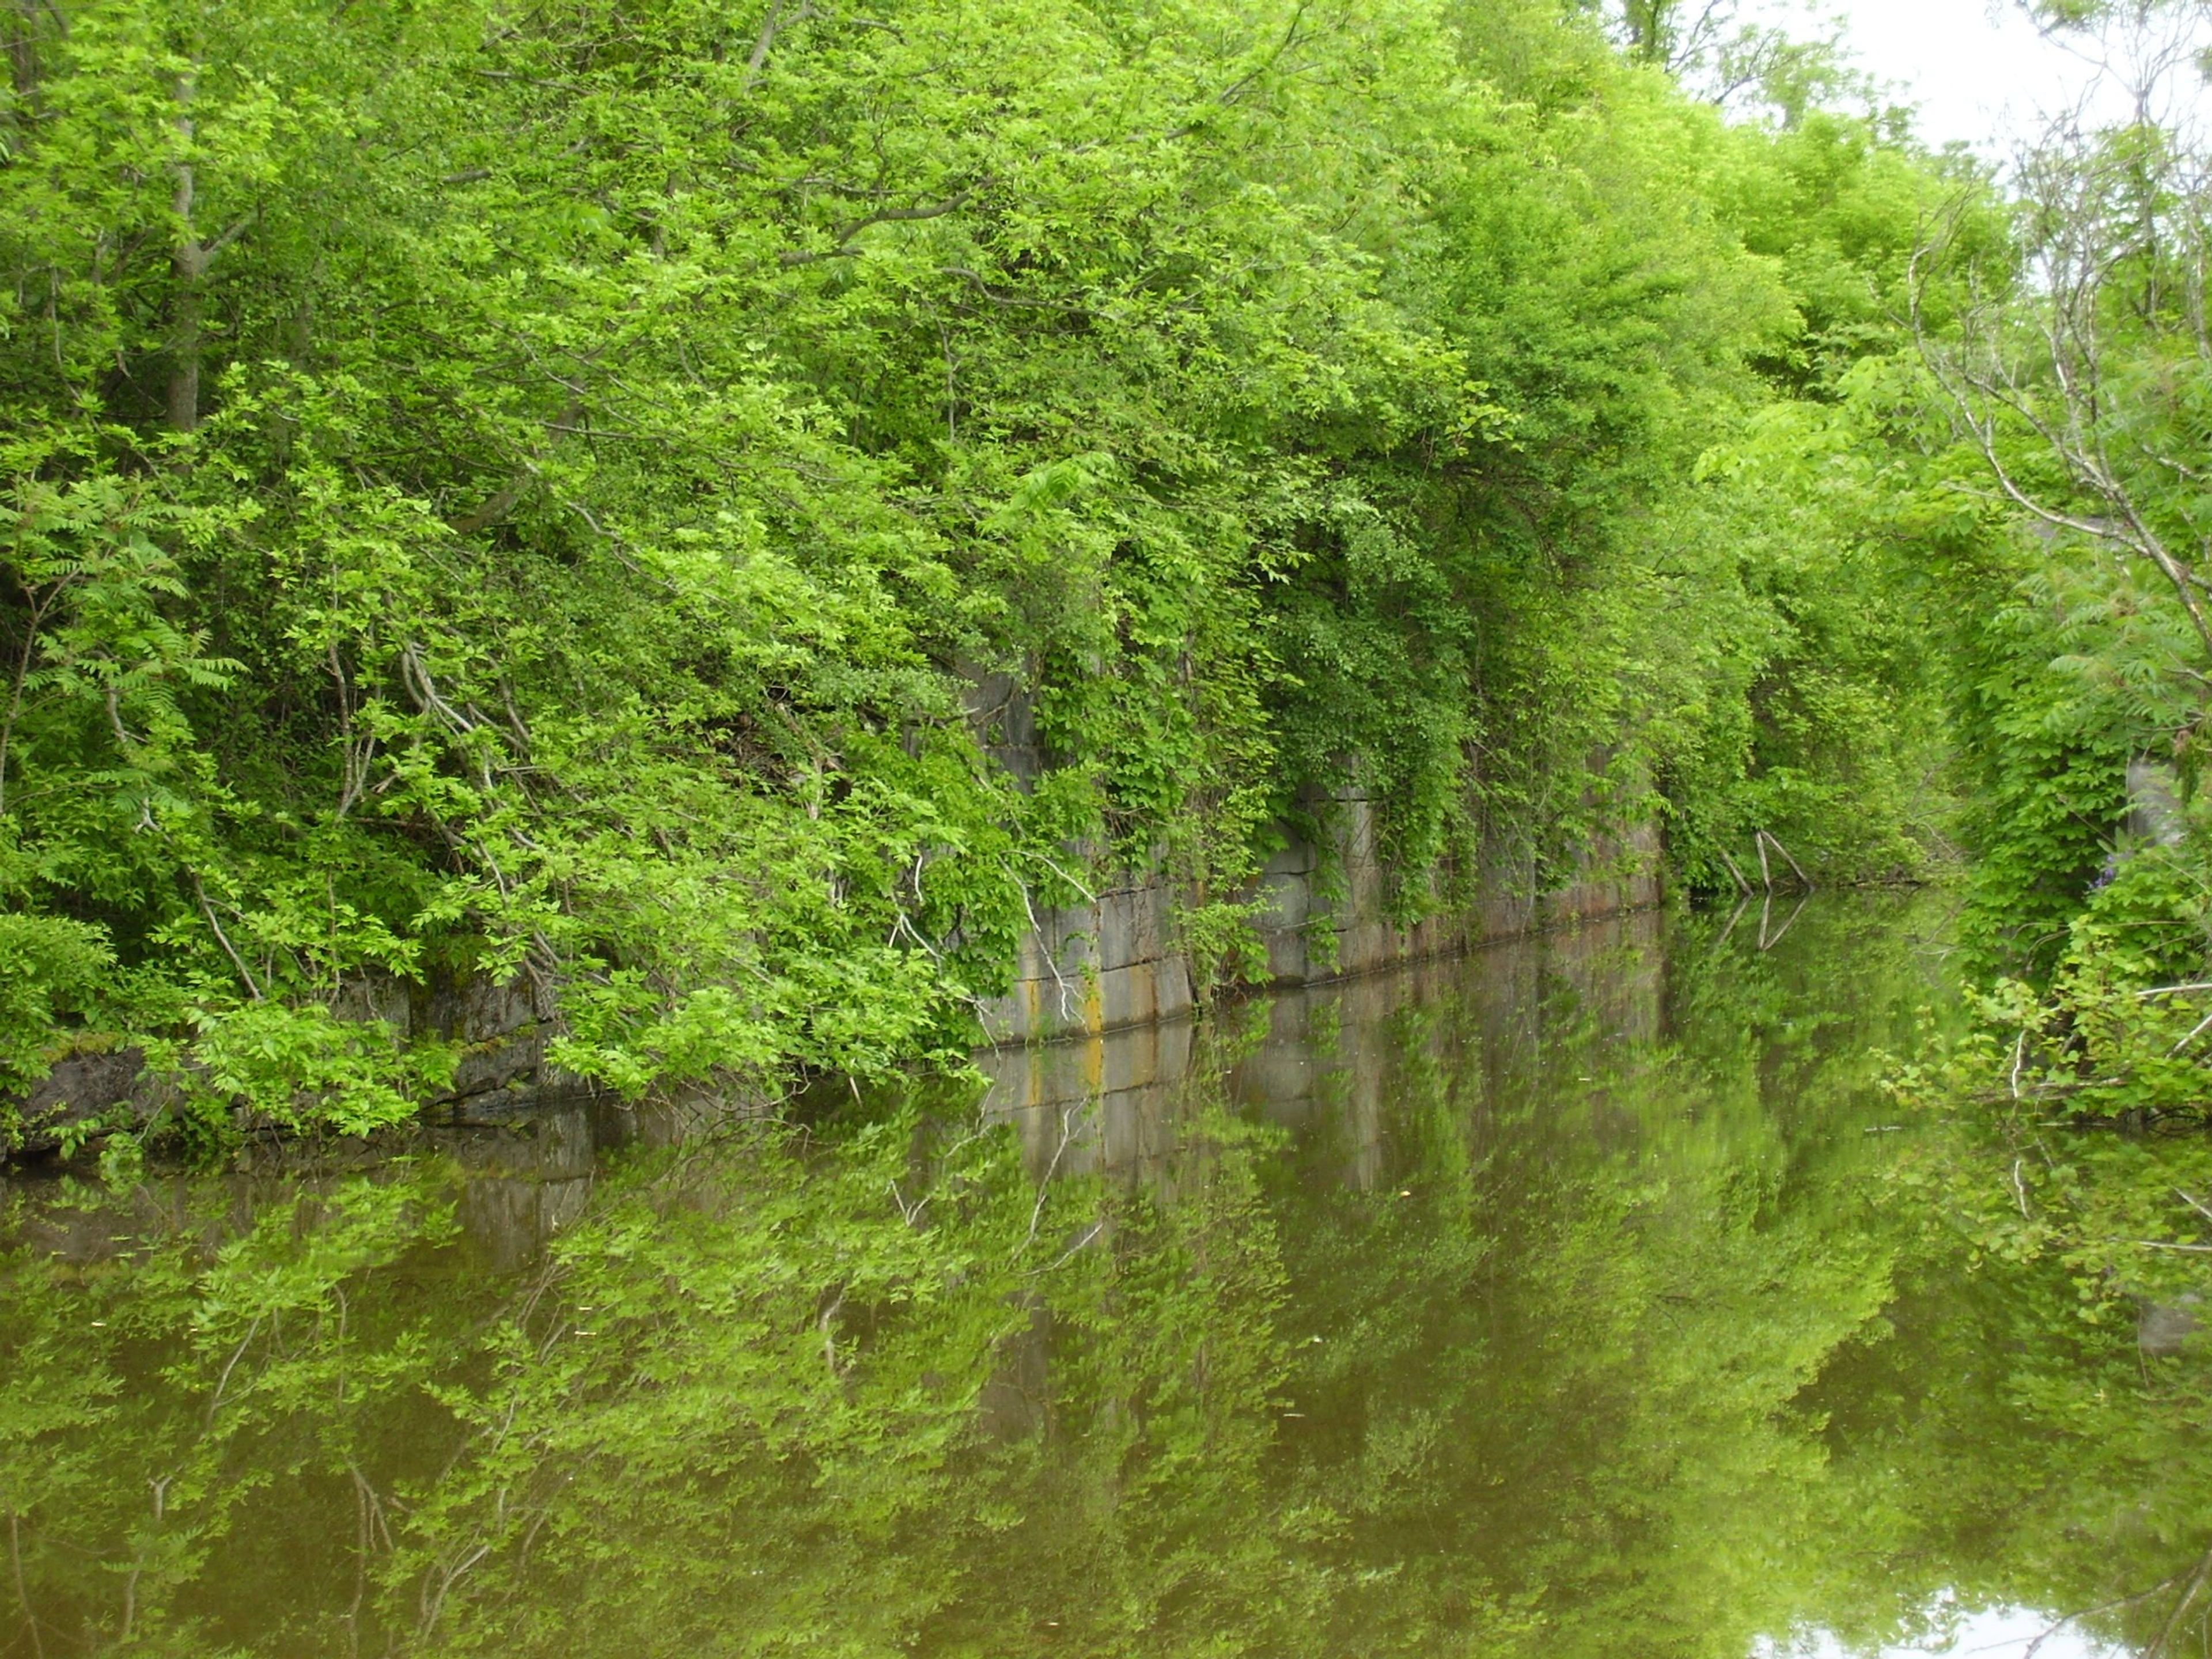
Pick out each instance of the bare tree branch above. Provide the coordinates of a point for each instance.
(841, 245)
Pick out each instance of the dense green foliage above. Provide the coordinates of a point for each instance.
(536, 490)
(587, 492)
(2065, 385)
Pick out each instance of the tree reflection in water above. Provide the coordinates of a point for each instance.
(1557, 1301)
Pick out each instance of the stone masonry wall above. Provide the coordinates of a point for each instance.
(1114, 963)
(502, 1078)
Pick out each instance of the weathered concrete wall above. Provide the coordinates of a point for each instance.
(1116, 1103)
(1311, 936)
(502, 1030)
(1116, 962)
(1096, 967)
(503, 1076)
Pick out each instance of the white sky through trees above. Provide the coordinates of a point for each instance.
(1978, 69)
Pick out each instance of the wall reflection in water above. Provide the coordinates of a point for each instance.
(1330, 1056)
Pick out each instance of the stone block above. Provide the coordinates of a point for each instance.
(1434, 936)
(498, 1063)
(1357, 836)
(1172, 996)
(480, 1009)
(1366, 945)
(1002, 1018)
(1364, 890)
(1000, 709)
(375, 996)
(1502, 918)
(1066, 1005)
(1072, 936)
(1131, 925)
(1023, 762)
(1005, 1075)
(1128, 996)
(1175, 1033)
(1032, 957)
(1290, 903)
(84, 1087)
(1288, 961)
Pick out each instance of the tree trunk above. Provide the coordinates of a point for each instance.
(189, 262)
(23, 46)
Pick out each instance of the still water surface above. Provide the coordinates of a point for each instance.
(1583, 1296)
